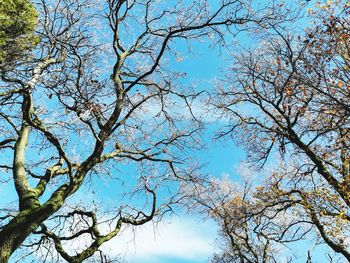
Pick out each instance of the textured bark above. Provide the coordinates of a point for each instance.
(14, 233)
(21, 226)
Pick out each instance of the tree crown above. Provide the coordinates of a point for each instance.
(18, 19)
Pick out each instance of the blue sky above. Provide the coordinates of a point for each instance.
(183, 238)
(187, 238)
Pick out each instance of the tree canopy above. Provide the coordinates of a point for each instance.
(18, 19)
(98, 130)
(287, 101)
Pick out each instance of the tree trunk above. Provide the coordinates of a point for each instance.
(14, 234)
(18, 229)
(9, 242)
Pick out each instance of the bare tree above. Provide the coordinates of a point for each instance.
(288, 99)
(96, 96)
(254, 225)
(241, 236)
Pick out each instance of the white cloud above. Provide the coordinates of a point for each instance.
(184, 239)
(177, 107)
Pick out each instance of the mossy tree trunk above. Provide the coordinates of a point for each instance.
(16, 231)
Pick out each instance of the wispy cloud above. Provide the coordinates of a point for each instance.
(182, 239)
(177, 107)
